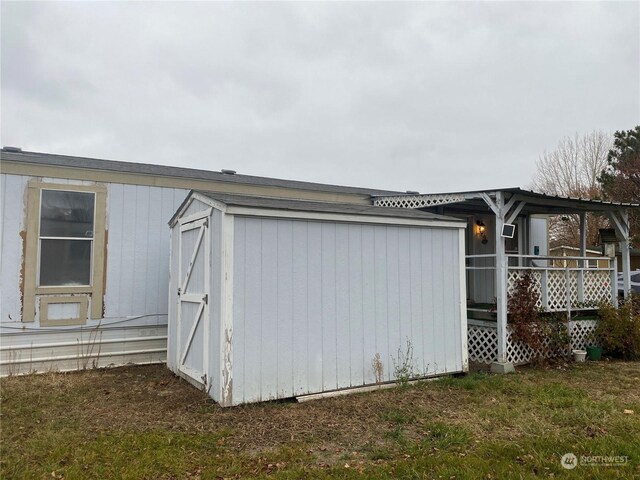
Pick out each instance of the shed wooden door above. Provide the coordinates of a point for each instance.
(193, 298)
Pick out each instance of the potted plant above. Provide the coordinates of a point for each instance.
(593, 352)
(579, 356)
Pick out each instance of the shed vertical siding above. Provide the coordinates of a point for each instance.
(215, 304)
(314, 302)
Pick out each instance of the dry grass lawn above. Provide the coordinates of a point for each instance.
(143, 422)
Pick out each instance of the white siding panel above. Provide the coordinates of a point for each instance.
(284, 318)
(215, 302)
(154, 242)
(314, 307)
(195, 206)
(369, 338)
(115, 240)
(300, 318)
(404, 291)
(137, 249)
(343, 297)
(355, 315)
(141, 256)
(393, 318)
(417, 308)
(381, 312)
(239, 331)
(270, 333)
(12, 197)
(124, 226)
(328, 306)
(438, 309)
(320, 300)
(429, 308)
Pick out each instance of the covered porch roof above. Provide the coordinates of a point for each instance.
(506, 204)
(478, 201)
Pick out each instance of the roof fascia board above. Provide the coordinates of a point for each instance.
(569, 204)
(219, 186)
(186, 203)
(342, 217)
(210, 201)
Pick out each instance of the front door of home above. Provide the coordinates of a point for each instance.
(193, 297)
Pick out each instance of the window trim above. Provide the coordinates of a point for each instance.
(84, 239)
(31, 289)
(82, 300)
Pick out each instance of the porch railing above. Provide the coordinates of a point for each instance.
(560, 288)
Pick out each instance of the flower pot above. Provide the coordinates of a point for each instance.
(579, 356)
(594, 353)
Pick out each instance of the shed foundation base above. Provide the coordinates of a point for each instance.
(502, 367)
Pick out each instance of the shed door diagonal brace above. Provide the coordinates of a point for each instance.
(194, 254)
(193, 290)
(192, 332)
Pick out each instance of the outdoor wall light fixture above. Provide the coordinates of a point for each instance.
(481, 231)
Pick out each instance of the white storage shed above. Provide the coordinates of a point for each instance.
(273, 298)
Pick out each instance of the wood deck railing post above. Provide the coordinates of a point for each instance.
(567, 286)
(544, 289)
(614, 282)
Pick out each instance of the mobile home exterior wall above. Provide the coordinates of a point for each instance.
(127, 321)
(133, 326)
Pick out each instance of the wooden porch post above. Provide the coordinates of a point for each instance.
(620, 221)
(581, 263)
(500, 210)
(583, 235)
(501, 280)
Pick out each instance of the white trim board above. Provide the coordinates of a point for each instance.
(341, 217)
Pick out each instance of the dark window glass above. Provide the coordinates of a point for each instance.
(66, 214)
(65, 262)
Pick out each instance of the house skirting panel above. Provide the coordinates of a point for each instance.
(40, 351)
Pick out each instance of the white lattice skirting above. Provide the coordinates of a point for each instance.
(483, 342)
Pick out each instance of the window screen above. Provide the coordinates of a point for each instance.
(66, 237)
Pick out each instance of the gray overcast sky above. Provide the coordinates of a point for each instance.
(419, 96)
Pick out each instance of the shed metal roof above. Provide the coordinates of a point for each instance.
(178, 172)
(319, 207)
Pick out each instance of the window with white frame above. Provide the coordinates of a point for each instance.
(65, 250)
(66, 237)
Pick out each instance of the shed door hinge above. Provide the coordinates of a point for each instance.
(205, 299)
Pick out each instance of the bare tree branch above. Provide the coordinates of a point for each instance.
(572, 170)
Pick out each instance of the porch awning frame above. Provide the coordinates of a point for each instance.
(507, 204)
